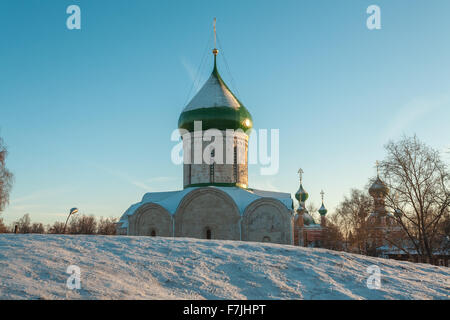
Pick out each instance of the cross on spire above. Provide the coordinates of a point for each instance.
(322, 194)
(377, 164)
(215, 51)
(300, 174)
(214, 26)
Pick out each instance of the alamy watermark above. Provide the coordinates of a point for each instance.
(374, 20)
(74, 20)
(374, 280)
(227, 147)
(74, 280)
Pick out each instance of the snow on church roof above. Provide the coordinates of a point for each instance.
(216, 107)
(213, 94)
(171, 199)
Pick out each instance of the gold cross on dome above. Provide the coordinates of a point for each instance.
(214, 32)
(377, 164)
(322, 193)
(300, 174)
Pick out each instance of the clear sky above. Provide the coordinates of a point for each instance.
(87, 114)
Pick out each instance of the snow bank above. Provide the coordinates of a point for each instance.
(121, 267)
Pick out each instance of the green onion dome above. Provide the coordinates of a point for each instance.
(216, 106)
(301, 195)
(323, 211)
(378, 188)
(307, 219)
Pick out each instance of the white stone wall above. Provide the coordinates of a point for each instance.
(204, 209)
(150, 217)
(265, 219)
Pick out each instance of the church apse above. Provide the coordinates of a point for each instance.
(207, 212)
(267, 220)
(151, 220)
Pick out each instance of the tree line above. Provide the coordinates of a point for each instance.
(81, 224)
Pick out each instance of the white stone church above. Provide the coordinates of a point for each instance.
(216, 201)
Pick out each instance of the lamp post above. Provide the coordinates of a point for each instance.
(72, 211)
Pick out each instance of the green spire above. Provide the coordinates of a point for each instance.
(216, 106)
(301, 195)
(323, 211)
(215, 72)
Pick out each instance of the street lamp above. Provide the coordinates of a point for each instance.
(72, 211)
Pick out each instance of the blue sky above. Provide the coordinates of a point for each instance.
(87, 114)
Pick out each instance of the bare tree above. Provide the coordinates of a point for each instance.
(445, 230)
(37, 227)
(333, 238)
(312, 211)
(83, 225)
(107, 226)
(24, 224)
(6, 177)
(351, 215)
(56, 228)
(419, 192)
(3, 227)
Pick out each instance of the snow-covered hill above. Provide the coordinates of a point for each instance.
(120, 267)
